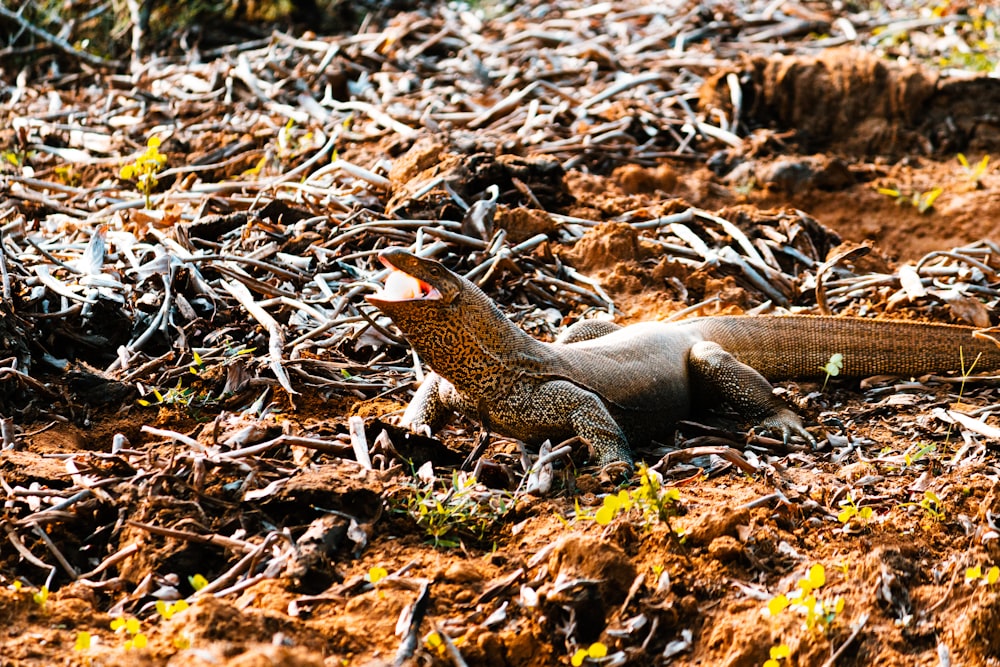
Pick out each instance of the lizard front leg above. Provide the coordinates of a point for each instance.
(746, 389)
(432, 405)
(558, 409)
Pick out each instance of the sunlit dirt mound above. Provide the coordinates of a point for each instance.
(851, 101)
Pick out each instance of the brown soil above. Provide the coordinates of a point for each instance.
(543, 578)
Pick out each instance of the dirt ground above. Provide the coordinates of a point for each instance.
(313, 559)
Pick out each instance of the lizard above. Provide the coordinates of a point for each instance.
(618, 387)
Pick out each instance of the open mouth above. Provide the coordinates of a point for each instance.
(401, 286)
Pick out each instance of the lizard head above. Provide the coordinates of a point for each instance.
(454, 326)
(429, 304)
(412, 282)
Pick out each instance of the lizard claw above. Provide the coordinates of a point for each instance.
(616, 472)
(789, 425)
(414, 426)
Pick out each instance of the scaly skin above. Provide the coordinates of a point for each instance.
(619, 387)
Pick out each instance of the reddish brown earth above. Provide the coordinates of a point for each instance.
(903, 569)
(693, 587)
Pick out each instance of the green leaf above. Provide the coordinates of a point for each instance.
(777, 604)
(927, 199)
(834, 365)
(780, 652)
(597, 650)
(604, 515)
(83, 640)
(817, 576)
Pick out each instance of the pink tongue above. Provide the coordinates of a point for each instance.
(400, 286)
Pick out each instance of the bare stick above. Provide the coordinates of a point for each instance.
(847, 642)
(359, 441)
(58, 42)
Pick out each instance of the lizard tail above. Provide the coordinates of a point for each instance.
(801, 346)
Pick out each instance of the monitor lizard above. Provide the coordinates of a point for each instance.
(619, 387)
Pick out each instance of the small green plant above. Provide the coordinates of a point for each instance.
(131, 628)
(188, 396)
(595, 651)
(970, 62)
(181, 396)
(922, 201)
(41, 596)
(17, 158)
(832, 367)
(657, 502)
(746, 186)
(852, 512)
(68, 175)
(650, 499)
(198, 366)
(255, 170)
(966, 373)
(435, 643)
(819, 614)
(170, 609)
(974, 174)
(145, 168)
(178, 395)
(778, 653)
(922, 453)
(292, 141)
(988, 578)
(84, 640)
(449, 514)
(375, 575)
(932, 505)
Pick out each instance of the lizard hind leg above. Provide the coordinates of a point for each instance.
(744, 388)
(586, 330)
